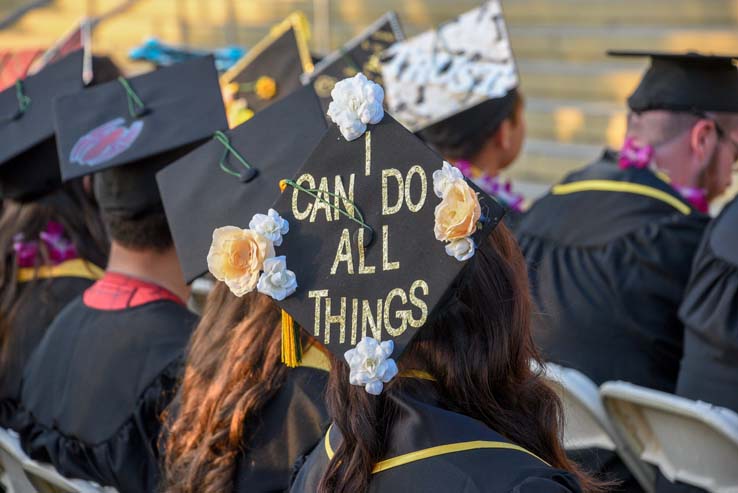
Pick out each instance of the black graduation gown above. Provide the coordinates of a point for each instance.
(95, 388)
(293, 421)
(608, 270)
(38, 303)
(501, 467)
(709, 370)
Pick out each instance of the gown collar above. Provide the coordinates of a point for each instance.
(117, 291)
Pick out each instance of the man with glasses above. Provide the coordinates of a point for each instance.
(610, 248)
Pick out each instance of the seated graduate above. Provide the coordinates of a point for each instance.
(364, 251)
(456, 87)
(709, 311)
(609, 249)
(52, 241)
(242, 417)
(95, 387)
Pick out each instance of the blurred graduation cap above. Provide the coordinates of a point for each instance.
(370, 265)
(234, 176)
(458, 67)
(127, 129)
(271, 69)
(361, 54)
(28, 160)
(689, 82)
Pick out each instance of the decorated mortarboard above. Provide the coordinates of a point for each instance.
(28, 159)
(379, 229)
(451, 69)
(690, 82)
(269, 71)
(233, 177)
(361, 54)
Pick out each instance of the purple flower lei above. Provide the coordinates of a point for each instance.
(59, 247)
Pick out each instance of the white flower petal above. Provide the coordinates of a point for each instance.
(370, 365)
(356, 102)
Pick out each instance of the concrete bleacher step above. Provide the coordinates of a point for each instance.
(589, 43)
(593, 81)
(569, 121)
(546, 161)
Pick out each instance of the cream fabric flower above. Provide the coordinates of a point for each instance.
(443, 179)
(276, 281)
(458, 213)
(270, 225)
(357, 102)
(370, 364)
(236, 257)
(462, 249)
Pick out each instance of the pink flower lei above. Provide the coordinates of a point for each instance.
(59, 247)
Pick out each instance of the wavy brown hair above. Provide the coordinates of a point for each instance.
(233, 369)
(71, 206)
(478, 346)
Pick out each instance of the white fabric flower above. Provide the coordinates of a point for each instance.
(444, 178)
(276, 281)
(357, 102)
(462, 249)
(371, 365)
(270, 225)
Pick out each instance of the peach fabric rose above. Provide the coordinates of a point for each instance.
(458, 213)
(237, 256)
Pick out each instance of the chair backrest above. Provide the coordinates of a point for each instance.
(587, 424)
(47, 480)
(690, 441)
(12, 458)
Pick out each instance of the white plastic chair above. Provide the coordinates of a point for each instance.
(25, 475)
(12, 458)
(47, 480)
(690, 441)
(586, 423)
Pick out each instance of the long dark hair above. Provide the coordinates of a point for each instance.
(479, 348)
(71, 206)
(233, 369)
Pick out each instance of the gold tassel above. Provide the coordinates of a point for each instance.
(291, 341)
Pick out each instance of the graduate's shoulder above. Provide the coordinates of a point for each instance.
(601, 203)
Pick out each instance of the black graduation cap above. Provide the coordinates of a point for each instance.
(382, 272)
(685, 82)
(361, 54)
(143, 123)
(272, 68)
(199, 195)
(28, 160)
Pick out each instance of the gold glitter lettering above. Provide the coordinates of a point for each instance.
(416, 170)
(417, 302)
(363, 268)
(339, 319)
(301, 216)
(343, 253)
(354, 316)
(368, 320)
(324, 203)
(386, 264)
(318, 294)
(340, 191)
(386, 209)
(401, 314)
(368, 153)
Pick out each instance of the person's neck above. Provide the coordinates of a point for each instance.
(160, 268)
(486, 165)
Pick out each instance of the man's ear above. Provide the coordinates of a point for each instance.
(702, 139)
